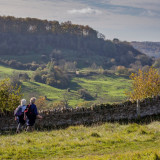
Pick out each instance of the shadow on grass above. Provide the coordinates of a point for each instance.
(33, 83)
(118, 76)
(74, 86)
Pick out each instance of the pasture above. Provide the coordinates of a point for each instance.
(103, 89)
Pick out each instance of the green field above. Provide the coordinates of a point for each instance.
(108, 141)
(108, 89)
(104, 89)
(6, 72)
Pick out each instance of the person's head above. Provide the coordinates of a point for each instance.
(23, 102)
(32, 100)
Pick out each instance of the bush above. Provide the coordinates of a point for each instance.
(41, 102)
(18, 65)
(85, 104)
(58, 104)
(51, 75)
(24, 77)
(85, 94)
(122, 70)
(9, 96)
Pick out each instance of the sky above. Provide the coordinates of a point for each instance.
(127, 20)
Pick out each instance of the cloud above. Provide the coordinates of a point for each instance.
(145, 8)
(145, 4)
(149, 13)
(84, 11)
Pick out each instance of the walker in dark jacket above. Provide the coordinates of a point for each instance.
(31, 114)
(31, 118)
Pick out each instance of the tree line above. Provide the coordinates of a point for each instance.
(28, 25)
(28, 36)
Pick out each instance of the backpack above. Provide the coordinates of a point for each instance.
(29, 112)
(18, 111)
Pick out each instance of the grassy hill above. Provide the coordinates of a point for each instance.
(109, 141)
(102, 88)
(6, 72)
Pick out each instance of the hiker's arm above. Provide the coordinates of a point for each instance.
(38, 116)
(25, 117)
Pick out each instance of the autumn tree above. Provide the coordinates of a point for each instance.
(122, 70)
(58, 104)
(9, 96)
(144, 84)
(41, 102)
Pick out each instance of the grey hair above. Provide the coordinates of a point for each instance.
(23, 102)
(32, 100)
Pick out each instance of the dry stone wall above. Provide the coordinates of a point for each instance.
(99, 113)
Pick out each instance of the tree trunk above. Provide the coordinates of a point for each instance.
(138, 108)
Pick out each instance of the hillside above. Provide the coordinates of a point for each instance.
(59, 56)
(101, 87)
(29, 39)
(151, 49)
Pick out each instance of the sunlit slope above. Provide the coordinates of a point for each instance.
(102, 88)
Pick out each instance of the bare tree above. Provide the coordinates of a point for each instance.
(65, 97)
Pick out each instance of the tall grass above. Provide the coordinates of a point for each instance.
(107, 141)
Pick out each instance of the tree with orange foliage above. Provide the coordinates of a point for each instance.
(41, 102)
(144, 85)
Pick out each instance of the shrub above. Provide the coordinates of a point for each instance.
(122, 70)
(85, 94)
(85, 104)
(58, 104)
(51, 75)
(41, 102)
(24, 76)
(9, 96)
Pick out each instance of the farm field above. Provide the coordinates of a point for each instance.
(108, 141)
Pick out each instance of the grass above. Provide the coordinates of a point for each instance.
(6, 72)
(108, 89)
(36, 89)
(104, 89)
(107, 141)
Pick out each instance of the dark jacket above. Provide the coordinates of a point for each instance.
(31, 118)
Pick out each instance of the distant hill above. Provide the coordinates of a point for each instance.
(30, 39)
(151, 49)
